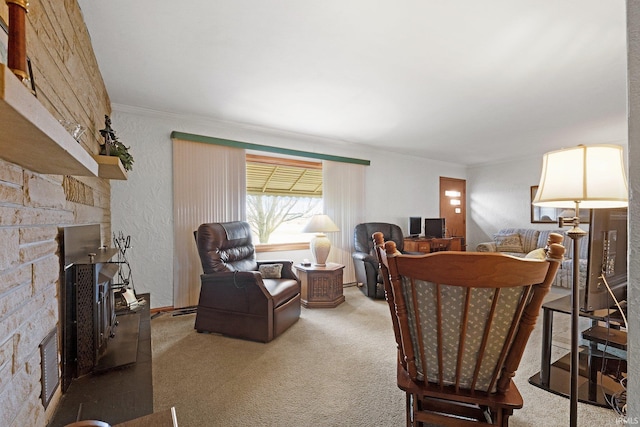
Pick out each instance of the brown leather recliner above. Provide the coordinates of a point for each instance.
(235, 299)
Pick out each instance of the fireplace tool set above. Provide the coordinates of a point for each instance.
(125, 286)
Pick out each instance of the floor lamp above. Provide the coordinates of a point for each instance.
(587, 177)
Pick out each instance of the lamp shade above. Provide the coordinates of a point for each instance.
(320, 224)
(594, 176)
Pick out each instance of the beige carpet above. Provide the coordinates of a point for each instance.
(334, 367)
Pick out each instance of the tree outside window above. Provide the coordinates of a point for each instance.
(282, 195)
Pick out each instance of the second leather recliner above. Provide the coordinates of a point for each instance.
(364, 260)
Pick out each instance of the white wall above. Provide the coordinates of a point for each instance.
(499, 197)
(397, 186)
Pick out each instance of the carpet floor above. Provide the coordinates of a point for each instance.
(334, 367)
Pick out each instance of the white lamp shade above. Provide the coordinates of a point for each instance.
(592, 175)
(320, 224)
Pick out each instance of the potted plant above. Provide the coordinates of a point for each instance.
(113, 147)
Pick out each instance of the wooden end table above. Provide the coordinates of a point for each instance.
(321, 286)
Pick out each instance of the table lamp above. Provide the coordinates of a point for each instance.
(320, 244)
(588, 177)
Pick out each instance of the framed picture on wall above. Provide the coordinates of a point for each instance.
(541, 214)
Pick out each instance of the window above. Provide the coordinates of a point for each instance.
(282, 194)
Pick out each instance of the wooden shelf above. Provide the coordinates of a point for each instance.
(110, 167)
(32, 138)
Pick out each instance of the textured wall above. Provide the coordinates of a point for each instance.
(142, 205)
(33, 206)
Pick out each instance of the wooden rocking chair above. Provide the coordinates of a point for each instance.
(461, 321)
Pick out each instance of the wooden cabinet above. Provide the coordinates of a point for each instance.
(321, 286)
(427, 245)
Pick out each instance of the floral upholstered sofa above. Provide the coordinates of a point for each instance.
(521, 241)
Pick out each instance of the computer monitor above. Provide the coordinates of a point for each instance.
(415, 226)
(434, 227)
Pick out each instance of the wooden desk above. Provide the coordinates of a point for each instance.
(427, 245)
(321, 286)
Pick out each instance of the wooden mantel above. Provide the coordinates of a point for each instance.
(32, 138)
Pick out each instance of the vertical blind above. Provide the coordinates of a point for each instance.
(344, 203)
(209, 185)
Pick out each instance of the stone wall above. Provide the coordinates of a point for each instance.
(33, 206)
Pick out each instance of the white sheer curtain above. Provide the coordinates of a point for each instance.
(344, 201)
(209, 185)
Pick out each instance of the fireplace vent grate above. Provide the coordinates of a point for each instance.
(49, 365)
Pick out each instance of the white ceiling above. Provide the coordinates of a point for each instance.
(469, 81)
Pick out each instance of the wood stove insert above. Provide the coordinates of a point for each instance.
(88, 319)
